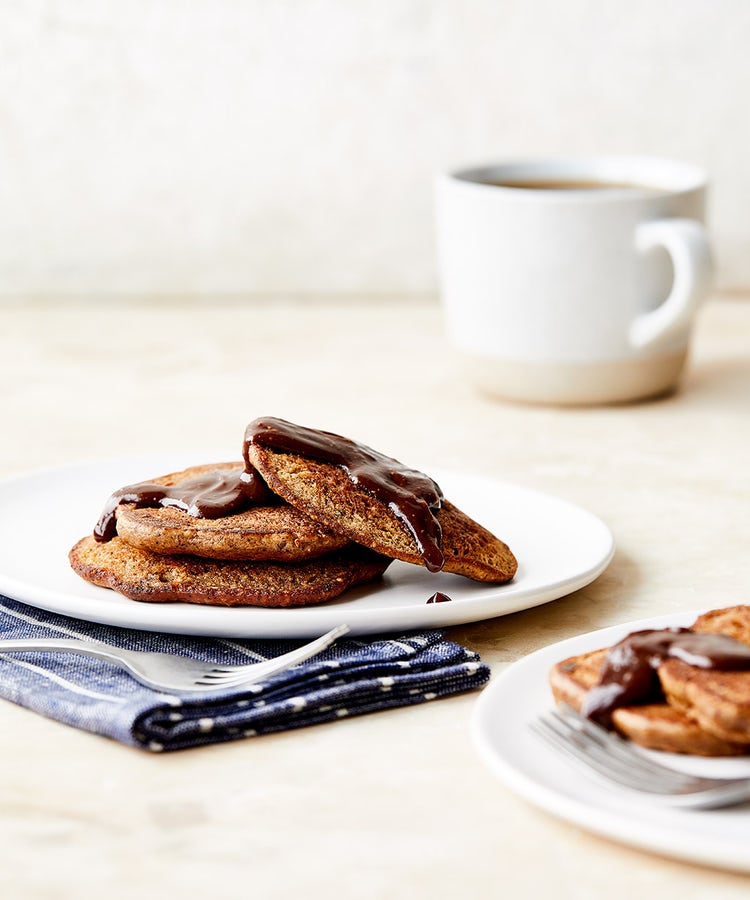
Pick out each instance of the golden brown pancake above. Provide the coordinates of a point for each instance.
(325, 493)
(156, 578)
(657, 726)
(718, 700)
(279, 533)
(732, 620)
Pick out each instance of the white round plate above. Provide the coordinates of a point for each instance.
(501, 733)
(560, 548)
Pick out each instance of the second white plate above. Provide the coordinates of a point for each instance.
(544, 777)
(559, 546)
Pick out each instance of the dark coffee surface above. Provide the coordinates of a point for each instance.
(542, 184)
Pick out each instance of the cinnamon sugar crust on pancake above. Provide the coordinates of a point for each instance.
(268, 529)
(156, 578)
(325, 493)
(279, 532)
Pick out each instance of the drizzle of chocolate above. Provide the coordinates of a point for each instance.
(439, 597)
(209, 495)
(412, 497)
(629, 673)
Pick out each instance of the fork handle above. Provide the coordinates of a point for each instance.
(71, 645)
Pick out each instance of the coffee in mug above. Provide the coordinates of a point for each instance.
(546, 184)
(573, 281)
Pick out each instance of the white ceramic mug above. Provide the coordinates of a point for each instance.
(573, 281)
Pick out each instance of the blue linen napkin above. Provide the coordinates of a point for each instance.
(350, 678)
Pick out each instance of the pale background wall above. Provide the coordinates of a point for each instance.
(290, 145)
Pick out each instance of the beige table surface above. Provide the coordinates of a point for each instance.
(395, 804)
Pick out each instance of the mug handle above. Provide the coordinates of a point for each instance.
(686, 241)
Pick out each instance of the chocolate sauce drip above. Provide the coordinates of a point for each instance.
(439, 597)
(410, 495)
(629, 673)
(210, 495)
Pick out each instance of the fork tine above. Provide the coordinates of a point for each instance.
(592, 755)
(209, 678)
(241, 675)
(630, 754)
(231, 679)
(591, 747)
(692, 793)
(616, 748)
(593, 763)
(566, 737)
(250, 676)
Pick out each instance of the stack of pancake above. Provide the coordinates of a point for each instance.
(318, 534)
(704, 712)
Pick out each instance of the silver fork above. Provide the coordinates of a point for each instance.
(614, 758)
(168, 672)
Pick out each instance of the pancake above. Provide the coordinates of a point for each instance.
(718, 700)
(656, 726)
(324, 492)
(732, 620)
(278, 532)
(157, 578)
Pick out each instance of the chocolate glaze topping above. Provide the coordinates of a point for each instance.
(629, 672)
(412, 496)
(439, 597)
(210, 495)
